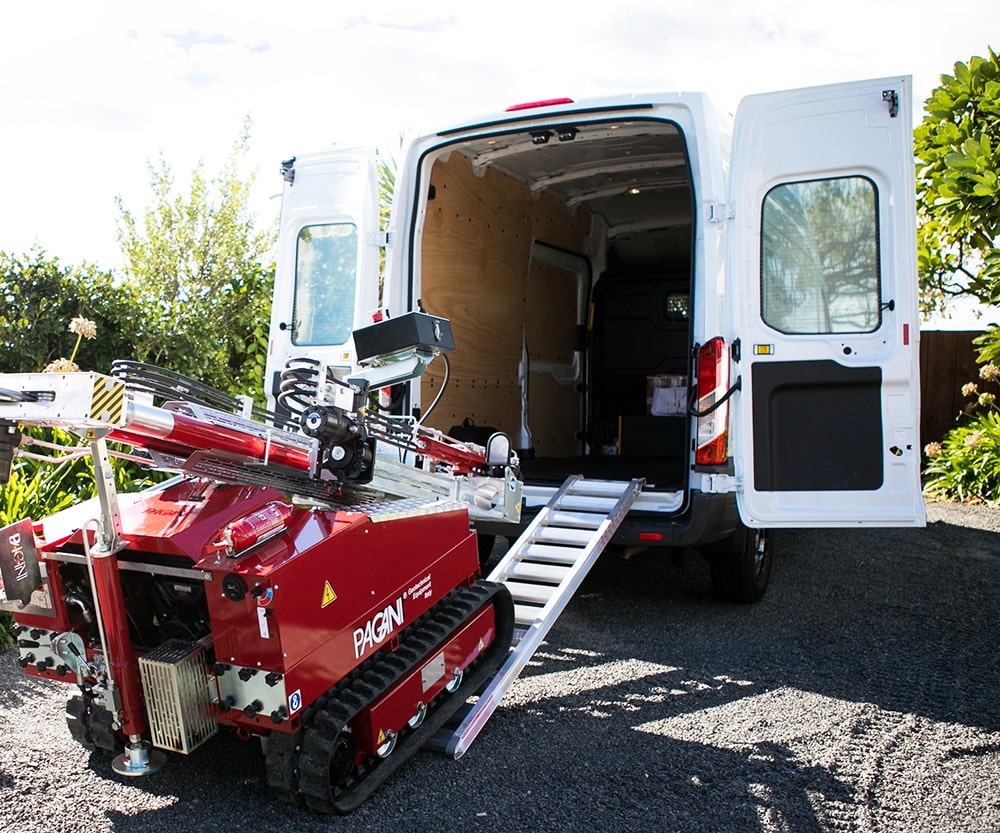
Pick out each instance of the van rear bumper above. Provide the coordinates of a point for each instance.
(707, 518)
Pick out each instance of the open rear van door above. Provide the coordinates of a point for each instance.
(326, 283)
(822, 273)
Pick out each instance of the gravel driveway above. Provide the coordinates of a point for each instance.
(860, 695)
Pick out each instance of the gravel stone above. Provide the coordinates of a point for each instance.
(859, 695)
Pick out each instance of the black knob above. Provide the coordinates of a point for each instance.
(233, 587)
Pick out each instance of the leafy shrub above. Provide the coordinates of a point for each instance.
(38, 299)
(965, 465)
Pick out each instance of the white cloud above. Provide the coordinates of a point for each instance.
(91, 92)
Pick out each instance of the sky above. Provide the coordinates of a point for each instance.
(94, 92)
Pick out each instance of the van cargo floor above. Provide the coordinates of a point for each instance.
(659, 472)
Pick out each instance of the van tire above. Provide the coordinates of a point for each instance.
(741, 565)
(485, 544)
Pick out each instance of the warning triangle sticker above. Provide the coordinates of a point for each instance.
(328, 594)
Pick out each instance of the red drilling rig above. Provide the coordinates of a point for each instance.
(279, 585)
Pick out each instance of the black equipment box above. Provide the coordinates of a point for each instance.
(651, 436)
(414, 330)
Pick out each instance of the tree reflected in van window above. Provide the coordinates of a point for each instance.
(326, 266)
(820, 257)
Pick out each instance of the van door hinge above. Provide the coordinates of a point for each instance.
(721, 483)
(720, 212)
(383, 239)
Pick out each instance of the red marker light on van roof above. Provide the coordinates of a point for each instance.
(531, 105)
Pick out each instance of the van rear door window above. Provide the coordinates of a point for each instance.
(820, 257)
(326, 268)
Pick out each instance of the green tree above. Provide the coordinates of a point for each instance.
(40, 297)
(958, 196)
(203, 272)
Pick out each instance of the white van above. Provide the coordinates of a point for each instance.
(635, 292)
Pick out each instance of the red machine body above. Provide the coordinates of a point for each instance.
(208, 601)
(309, 603)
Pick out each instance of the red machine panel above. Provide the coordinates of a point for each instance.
(336, 587)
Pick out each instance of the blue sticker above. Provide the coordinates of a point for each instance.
(294, 701)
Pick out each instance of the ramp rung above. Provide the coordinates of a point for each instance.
(535, 593)
(586, 503)
(552, 553)
(526, 615)
(577, 520)
(551, 573)
(561, 535)
(596, 488)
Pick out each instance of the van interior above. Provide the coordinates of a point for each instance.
(563, 257)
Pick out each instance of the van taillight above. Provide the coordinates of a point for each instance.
(712, 366)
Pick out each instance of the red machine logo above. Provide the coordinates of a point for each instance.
(379, 628)
(20, 574)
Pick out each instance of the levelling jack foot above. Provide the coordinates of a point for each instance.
(138, 759)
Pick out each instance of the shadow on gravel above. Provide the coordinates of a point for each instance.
(522, 777)
(21, 688)
(908, 620)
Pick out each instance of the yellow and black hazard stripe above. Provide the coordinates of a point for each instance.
(108, 401)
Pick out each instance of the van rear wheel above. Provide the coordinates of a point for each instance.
(485, 544)
(741, 565)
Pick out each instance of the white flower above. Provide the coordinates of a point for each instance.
(83, 327)
(975, 439)
(61, 366)
(989, 372)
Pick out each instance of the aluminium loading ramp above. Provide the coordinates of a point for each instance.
(542, 570)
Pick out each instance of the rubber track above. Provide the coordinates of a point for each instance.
(298, 765)
(90, 725)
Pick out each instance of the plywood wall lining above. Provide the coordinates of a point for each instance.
(550, 314)
(475, 258)
(553, 417)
